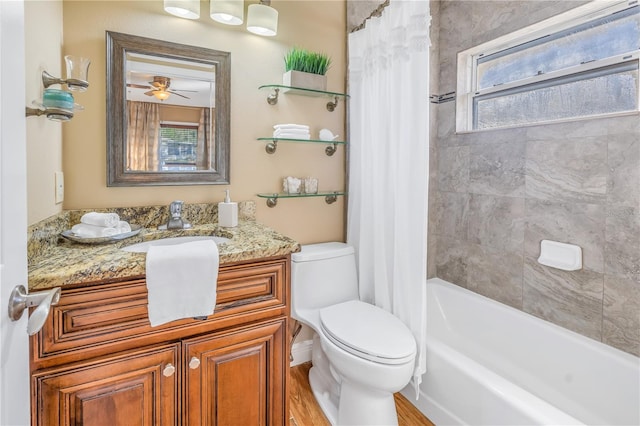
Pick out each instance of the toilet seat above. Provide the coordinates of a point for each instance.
(368, 332)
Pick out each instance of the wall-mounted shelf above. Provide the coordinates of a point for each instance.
(330, 197)
(272, 144)
(275, 89)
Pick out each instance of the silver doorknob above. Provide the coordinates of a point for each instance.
(194, 363)
(168, 370)
(19, 300)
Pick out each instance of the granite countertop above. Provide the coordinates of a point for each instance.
(61, 262)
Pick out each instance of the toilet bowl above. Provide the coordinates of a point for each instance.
(361, 354)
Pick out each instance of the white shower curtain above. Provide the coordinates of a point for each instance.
(389, 162)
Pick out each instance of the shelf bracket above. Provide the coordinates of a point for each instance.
(271, 147)
(330, 199)
(272, 99)
(331, 106)
(331, 149)
(272, 201)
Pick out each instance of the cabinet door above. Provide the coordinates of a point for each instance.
(139, 389)
(237, 378)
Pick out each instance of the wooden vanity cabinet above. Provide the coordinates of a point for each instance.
(97, 361)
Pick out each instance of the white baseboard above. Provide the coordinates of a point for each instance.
(301, 352)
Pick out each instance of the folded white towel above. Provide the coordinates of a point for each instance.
(83, 230)
(108, 220)
(292, 136)
(123, 227)
(291, 127)
(295, 132)
(181, 281)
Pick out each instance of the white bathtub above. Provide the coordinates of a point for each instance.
(490, 364)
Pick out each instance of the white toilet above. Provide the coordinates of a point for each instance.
(362, 354)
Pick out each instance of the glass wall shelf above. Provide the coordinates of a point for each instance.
(275, 89)
(272, 144)
(330, 197)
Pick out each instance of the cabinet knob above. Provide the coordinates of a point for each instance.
(169, 370)
(194, 363)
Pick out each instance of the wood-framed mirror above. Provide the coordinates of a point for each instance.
(167, 113)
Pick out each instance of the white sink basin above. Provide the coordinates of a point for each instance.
(144, 246)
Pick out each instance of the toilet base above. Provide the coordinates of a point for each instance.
(365, 407)
(325, 399)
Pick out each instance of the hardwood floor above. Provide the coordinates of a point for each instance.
(305, 410)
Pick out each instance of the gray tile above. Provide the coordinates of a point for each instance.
(453, 139)
(452, 219)
(622, 248)
(621, 314)
(496, 136)
(496, 274)
(446, 118)
(496, 221)
(432, 249)
(623, 124)
(623, 185)
(453, 169)
(572, 170)
(451, 261)
(570, 299)
(497, 169)
(568, 130)
(454, 16)
(579, 224)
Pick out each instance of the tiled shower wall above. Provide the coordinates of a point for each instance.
(497, 194)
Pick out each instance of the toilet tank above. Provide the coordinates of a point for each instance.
(321, 275)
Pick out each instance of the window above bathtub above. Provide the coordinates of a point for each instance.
(582, 63)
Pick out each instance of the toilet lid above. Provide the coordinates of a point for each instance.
(368, 332)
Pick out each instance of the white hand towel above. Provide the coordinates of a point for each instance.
(181, 281)
(83, 230)
(108, 220)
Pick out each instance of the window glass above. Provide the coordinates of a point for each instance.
(609, 93)
(602, 38)
(582, 63)
(178, 147)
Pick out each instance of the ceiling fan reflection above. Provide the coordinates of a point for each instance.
(160, 88)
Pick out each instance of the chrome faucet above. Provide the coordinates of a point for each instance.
(175, 217)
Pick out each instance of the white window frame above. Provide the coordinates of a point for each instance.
(467, 90)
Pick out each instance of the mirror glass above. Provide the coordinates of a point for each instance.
(167, 113)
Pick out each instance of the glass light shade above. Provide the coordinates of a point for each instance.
(262, 20)
(189, 9)
(230, 12)
(162, 95)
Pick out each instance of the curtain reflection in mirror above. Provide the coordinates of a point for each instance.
(203, 159)
(143, 135)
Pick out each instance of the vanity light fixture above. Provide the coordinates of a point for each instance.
(262, 19)
(229, 12)
(189, 9)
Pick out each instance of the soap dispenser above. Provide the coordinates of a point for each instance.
(227, 212)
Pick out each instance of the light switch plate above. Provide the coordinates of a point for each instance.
(59, 185)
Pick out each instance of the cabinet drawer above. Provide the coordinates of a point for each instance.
(111, 317)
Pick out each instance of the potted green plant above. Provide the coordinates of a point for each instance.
(305, 69)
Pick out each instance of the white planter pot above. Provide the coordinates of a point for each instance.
(305, 80)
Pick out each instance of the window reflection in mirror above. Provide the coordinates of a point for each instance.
(172, 124)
